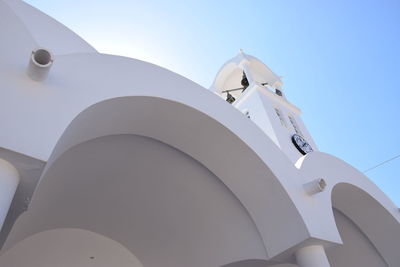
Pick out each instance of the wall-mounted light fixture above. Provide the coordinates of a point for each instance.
(315, 186)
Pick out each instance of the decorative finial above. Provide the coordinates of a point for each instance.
(241, 51)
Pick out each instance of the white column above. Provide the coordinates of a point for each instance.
(312, 256)
(9, 179)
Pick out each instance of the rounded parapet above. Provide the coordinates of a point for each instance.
(252, 182)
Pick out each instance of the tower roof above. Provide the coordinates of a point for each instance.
(230, 73)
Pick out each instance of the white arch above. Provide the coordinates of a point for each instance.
(352, 193)
(66, 247)
(175, 124)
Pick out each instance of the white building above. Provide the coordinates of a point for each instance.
(111, 161)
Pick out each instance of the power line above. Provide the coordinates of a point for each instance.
(383, 162)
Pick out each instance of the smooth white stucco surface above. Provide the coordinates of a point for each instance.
(154, 163)
(353, 194)
(154, 200)
(44, 30)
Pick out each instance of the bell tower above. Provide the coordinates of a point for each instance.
(251, 87)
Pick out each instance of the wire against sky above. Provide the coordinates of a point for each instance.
(380, 164)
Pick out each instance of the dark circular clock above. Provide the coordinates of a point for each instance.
(301, 144)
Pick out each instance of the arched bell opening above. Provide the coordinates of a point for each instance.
(240, 73)
(235, 83)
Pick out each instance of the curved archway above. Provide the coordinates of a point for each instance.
(366, 228)
(65, 247)
(156, 201)
(365, 207)
(222, 152)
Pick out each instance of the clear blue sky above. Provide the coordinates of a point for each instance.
(340, 59)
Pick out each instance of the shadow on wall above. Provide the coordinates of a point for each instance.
(354, 243)
(366, 228)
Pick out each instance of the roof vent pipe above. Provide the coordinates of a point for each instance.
(315, 186)
(39, 64)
